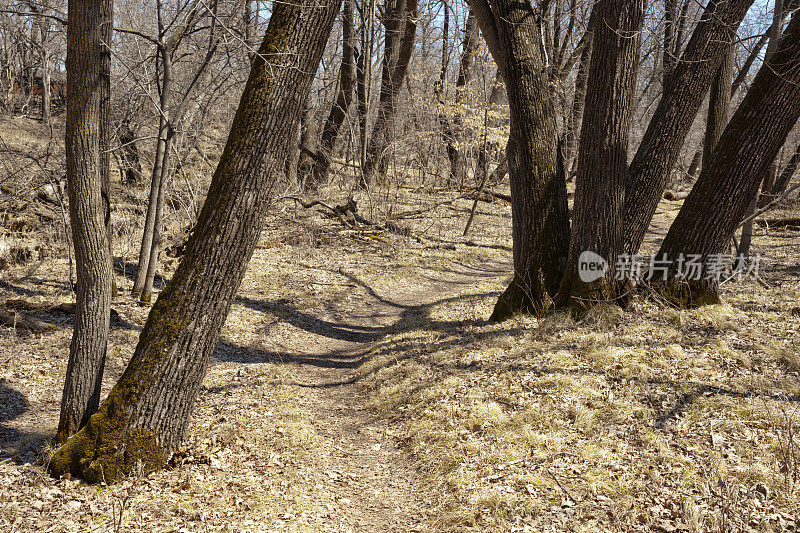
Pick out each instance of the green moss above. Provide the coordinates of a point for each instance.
(105, 451)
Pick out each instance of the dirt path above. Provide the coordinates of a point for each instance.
(360, 463)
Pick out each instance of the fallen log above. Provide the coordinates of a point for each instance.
(675, 196)
(18, 320)
(778, 222)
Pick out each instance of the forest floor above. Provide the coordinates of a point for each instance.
(358, 387)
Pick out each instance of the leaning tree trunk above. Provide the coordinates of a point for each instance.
(540, 221)
(400, 22)
(603, 154)
(650, 169)
(147, 412)
(89, 26)
(719, 201)
(719, 102)
(341, 106)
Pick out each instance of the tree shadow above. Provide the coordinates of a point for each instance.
(16, 445)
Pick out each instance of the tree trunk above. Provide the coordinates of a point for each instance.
(540, 221)
(89, 25)
(400, 21)
(153, 216)
(603, 155)
(728, 184)
(719, 102)
(650, 169)
(786, 175)
(670, 44)
(578, 103)
(496, 96)
(454, 131)
(341, 106)
(147, 412)
(694, 166)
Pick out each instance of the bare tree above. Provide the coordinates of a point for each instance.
(726, 186)
(88, 35)
(540, 222)
(650, 169)
(603, 155)
(399, 21)
(344, 96)
(145, 415)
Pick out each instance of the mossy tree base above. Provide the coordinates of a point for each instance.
(101, 453)
(146, 414)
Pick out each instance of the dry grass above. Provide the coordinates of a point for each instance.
(645, 419)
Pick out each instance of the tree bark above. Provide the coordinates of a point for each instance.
(787, 174)
(650, 169)
(341, 106)
(400, 22)
(454, 129)
(578, 103)
(89, 25)
(150, 233)
(540, 221)
(719, 102)
(603, 156)
(727, 185)
(146, 414)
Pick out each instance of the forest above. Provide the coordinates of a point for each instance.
(393, 266)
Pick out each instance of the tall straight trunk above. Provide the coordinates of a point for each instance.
(454, 132)
(719, 201)
(400, 22)
(440, 86)
(719, 103)
(364, 84)
(151, 230)
(603, 155)
(146, 414)
(786, 174)
(578, 103)
(45, 79)
(650, 169)
(540, 221)
(89, 25)
(341, 106)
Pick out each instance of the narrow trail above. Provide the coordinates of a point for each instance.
(362, 465)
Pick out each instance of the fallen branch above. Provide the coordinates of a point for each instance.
(17, 320)
(778, 222)
(675, 196)
(350, 209)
